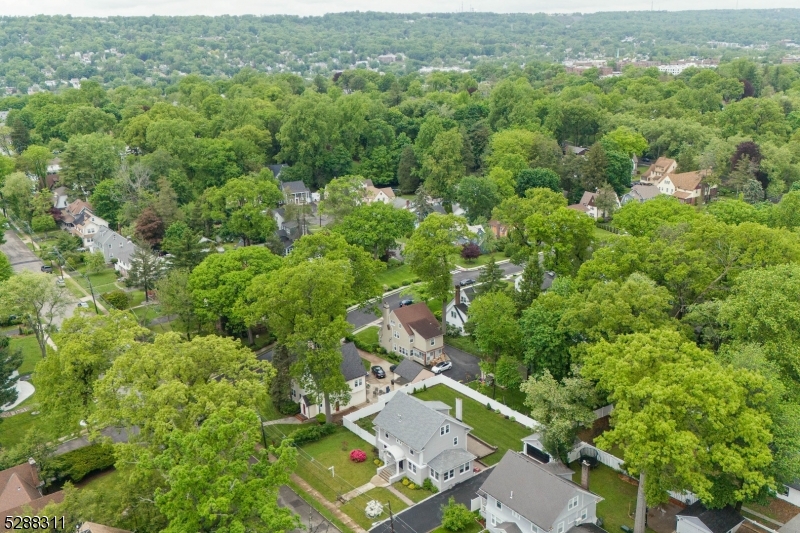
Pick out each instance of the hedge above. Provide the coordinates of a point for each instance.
(77, 464)
(312, 433)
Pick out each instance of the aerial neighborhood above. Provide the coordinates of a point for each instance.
(400, 273)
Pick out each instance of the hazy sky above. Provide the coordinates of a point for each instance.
(320, 7)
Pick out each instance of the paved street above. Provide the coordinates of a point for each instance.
(359, 318)
(22, 258)
(427, 515)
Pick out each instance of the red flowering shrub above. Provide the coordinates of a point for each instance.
(358, 456)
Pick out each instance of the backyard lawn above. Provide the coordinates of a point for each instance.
(15, 428)
(355, 507)
(514, 397)
(103, 281)
(619, 497)
(400, 276)
(465, 343)
(31, 354)
(486, 425)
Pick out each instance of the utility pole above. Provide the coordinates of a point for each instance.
(391, 516)
(91, 290)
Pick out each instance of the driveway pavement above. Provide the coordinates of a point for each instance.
(427, 515)
(360, 318)
(465, 365)
(372, 381)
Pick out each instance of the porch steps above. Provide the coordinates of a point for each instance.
(385, 474)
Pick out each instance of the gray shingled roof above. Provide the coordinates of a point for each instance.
(408, 369)
(295, 186)
(112, 244)
(436, 405)
(352, 366)
(450, 459)
(716, 520)
(541, 495)
(509, 527)
(411, 421)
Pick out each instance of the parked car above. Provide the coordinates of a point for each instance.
(46, 268)
(407, 301)
(83, 304)
(378, 372)
(441, 367)
(465, 282)
(391, 368)
(60, 283)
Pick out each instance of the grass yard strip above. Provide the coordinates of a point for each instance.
(464, 343)
(415, 495)
(487, 425)
(321, 509)
(74, 288)
(513, 398)
(31, 354)
(355, 507)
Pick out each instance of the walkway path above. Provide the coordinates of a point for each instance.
(403, 498)
(346, 520)
(358, 491)
(287, 420)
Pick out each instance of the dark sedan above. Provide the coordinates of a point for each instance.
(378, 372)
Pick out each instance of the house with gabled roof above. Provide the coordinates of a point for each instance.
(409, 371)
(420, 440)
(352, 368)
(296, 192)
(698, 519)
(524, 495)
(21, 489)
(588, 205)
(412, 331)
(659, 169)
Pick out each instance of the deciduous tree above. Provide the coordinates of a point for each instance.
(10, 361)
(176, 298)
(493, 324)
(376, 227)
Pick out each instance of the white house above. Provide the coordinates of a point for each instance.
(296, 192)
(524, 495)
(86, 226)
(54, 166)
(354, 373)
(588, 205)
(114, 246)
(697, 519)
(378, 194)
(420, 440)
(791, 493)
(457, 311)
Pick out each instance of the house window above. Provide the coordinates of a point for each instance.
(455, 441)
(412, 467)
(464, 468)
(411, 339)
(434, 474)
(573, 503)
(410, 451)
(398, 441)
(499, 505)
(560, 528)
(453, 314)
(494, 520)
(433, 342)
(463, 299)
(534, 529)
(444, 430)
(387, 434)
(584, 513)
(515, 514)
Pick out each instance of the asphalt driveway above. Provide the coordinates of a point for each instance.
(465, 365)
(427, 515)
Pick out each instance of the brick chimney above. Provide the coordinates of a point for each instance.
(386, 315)
(458, 294)
(585, 474)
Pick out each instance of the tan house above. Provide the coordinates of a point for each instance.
(409, 371)
(412, 331)
(375, 194)
(662, 167)
(688, 187)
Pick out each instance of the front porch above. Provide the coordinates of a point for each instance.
(394, 459)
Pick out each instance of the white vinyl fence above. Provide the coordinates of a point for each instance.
(350, 420)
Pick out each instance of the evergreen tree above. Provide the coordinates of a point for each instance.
(10, 361)
(491, 277)
(146, 269)
(530, 286)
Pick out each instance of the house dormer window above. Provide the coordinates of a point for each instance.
(499, 505)
(433, 342)
(444, 430)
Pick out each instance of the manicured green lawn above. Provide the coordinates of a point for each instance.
(31, 354)
(465, 343)
(74, 288)
(513, 397)
(368, 337)
(316, 458)
(135, 298)
(103, 281)
(268, 411)
(13, 429)
(355, 508)
(486, 425)
(103, 482)
(619, 497)
(321, 509)
(415, 495)
(148, 312)
(479, 261)
(398, 275)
